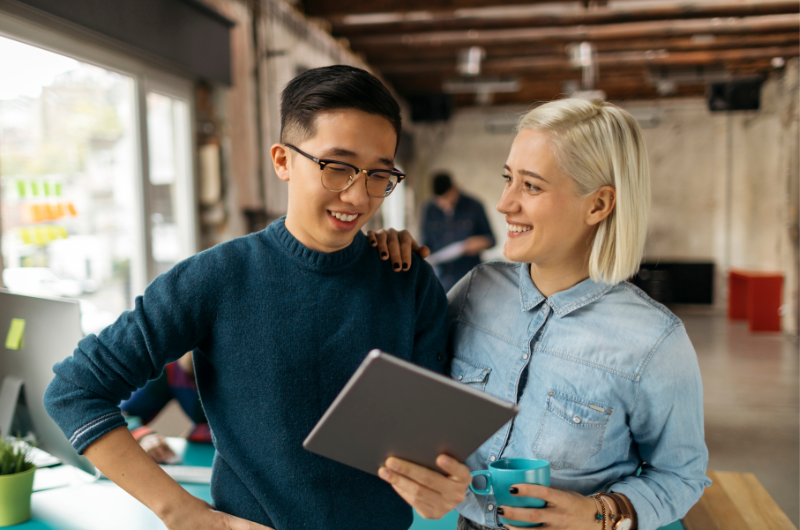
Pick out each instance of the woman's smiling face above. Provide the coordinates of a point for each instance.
(546, 219)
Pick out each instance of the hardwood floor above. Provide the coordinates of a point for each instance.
(752, 403)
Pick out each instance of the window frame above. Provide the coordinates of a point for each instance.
(147, 77)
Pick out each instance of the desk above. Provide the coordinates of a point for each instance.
(736, 501)
(101, 504)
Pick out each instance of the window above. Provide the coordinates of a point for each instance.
(87, 154)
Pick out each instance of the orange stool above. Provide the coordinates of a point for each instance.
(755, 296)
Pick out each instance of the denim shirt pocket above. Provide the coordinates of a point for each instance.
(571, 431)
(471, 373)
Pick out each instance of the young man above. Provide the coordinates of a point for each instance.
(280, 320)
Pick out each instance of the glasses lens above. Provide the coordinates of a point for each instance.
(337, 177)
(381, 184)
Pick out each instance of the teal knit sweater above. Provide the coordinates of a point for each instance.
(278, 329)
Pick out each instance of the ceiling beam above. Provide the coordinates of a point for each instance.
(564, 14)
(432, 84)
(541, 93)
(325, 8)
(515, 65)
(652, 29)
(707, 42)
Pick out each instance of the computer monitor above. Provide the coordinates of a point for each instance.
(52, 329)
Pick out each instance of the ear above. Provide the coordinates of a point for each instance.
(602, 203)
(282, 161)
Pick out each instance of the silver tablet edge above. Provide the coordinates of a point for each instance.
(370, 358)
(377, 354)
(444, 379)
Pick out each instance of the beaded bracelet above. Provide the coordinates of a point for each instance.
(601, 511)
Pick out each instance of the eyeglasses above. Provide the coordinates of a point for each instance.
(338, 176)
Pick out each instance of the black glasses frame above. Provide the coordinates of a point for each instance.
(369, 172)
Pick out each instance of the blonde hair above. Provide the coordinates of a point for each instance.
(598, 144)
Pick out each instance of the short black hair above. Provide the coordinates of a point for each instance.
(442, 183)
(332, 88)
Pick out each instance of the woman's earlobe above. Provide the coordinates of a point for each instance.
(603, 204)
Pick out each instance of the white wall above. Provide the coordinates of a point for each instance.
(473, 154)
(720, 181)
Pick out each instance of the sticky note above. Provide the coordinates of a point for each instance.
(52, 212)
(14, 338)
(41, 236)
(26, 236)
(21, 188)
(58, 189)
(36, 214)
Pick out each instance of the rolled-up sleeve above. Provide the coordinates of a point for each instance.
(667, 427)
(175, 313)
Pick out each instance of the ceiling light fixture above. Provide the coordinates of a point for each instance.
(483, 85)
(469, 61)
(583, 55)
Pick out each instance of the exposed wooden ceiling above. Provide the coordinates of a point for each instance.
(644, 48)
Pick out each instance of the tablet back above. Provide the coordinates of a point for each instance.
(391, 407)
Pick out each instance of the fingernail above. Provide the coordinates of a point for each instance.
(405, 265)
(513, 490)
(501, 511)
(384, 473)
(393, 464)
(384, 254)
(396, 266)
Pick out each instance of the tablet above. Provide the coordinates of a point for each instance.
(391, 407)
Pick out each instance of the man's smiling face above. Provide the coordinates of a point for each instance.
(325, 220)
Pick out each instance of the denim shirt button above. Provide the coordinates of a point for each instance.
(525, 356)
(492, 458)
(490, 507)
(460, 377)
(576, 419)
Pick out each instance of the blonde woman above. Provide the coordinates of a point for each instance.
(606, 379)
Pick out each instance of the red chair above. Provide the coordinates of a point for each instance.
(755, 296)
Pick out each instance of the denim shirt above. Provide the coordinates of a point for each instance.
(606, 380)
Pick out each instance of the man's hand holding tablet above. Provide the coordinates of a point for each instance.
(411, 427)
(432, 494)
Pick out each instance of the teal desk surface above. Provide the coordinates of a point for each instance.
(101, 504)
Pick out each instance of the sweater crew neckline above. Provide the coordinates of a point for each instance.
(314, 259)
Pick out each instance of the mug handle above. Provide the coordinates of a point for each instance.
(488, 490)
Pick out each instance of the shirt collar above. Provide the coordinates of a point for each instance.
(529, 295)
(562, 303)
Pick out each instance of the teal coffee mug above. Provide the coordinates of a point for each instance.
(503, 474)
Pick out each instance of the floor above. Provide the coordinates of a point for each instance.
(752, 403)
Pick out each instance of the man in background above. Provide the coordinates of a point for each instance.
(456, 230)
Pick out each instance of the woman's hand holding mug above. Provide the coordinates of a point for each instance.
(563, 509)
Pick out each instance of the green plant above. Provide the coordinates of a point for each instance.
(14, 456)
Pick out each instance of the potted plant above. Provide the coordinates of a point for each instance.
(16, 481)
